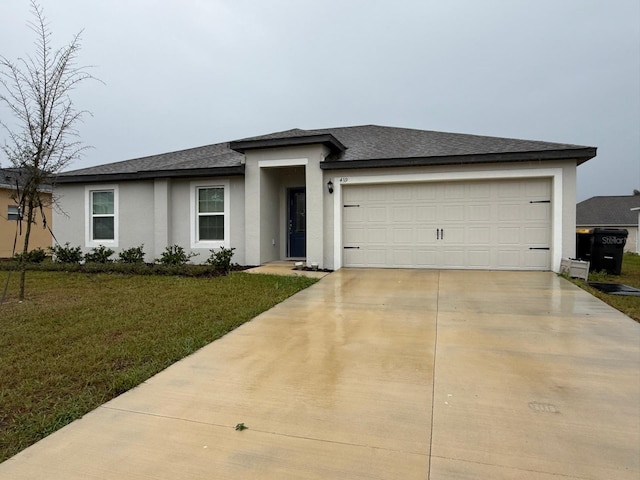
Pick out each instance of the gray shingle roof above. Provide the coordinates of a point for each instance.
(352, 147)
(603, 211)
(12, 178)
(371, 142)
(216, 156)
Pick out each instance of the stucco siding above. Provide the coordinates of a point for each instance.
(68, 216)
(155, 214)
(38, 238)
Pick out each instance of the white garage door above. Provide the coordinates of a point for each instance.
(499, 224)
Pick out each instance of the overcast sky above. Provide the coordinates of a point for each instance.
(180, 74)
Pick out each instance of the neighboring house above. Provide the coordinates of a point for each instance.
(612, 212)
(10, 229)
(365, 196)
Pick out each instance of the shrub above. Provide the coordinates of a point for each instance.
(221, 260)
(99, 254)
(175, 255)
(66, 254)
(132, 255)
(37, 255)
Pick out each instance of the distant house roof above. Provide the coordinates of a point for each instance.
(11, 178)
(614, 211)
(351, 147)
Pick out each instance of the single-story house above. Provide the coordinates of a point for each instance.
(621, 211)
(12, 231)
(364, 196)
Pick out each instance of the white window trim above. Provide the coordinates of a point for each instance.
(88, 224)
(193, 214)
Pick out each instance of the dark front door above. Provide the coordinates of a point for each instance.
(297, 222)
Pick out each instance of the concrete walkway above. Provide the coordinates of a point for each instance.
(382, 374)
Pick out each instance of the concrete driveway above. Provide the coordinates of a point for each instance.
(382, 374)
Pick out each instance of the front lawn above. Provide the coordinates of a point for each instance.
(630, 275)
(81, 339)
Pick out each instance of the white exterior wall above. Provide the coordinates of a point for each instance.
(155, 213)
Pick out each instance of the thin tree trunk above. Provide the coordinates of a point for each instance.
(25, 249)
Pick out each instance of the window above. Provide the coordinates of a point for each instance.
(102, 213)
(13, 212)
(210, 213)
(210, 219)
(102, 216)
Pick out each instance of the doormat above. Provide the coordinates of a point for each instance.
(615, 289)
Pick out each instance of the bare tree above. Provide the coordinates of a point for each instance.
(45, 140)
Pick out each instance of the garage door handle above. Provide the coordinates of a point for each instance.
(351, 248)
(539, 248)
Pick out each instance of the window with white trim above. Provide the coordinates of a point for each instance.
(209, 215)
(102, 216)
(13, 212)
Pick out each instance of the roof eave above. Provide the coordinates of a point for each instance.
(579, 155)
(329, 140)
(152, 174)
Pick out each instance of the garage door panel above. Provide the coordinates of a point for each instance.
(452, 214)
(354, 194)
(403, 257)
(400, 193)
(355, 236)
(538, 187)
(509, 212)
(456, 235)
(377, 236)
(476, 224)
(536, 236)
(426, 257)
(453, 191)
(479, 258)
(425, 235)
(403, 235)
(537, 211)
(403, 213)
(508, 235)
(479, 191)
(351, 215)
(508, 258)
(426, 213)
(376, 214)
(425, 192)
(533, 258)
(453, 257)
(479, 213)
(479, 235)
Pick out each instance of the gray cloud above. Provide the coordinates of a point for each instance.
(188, 73)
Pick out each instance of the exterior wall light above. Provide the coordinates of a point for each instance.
(330, 186)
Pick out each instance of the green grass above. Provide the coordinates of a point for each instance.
(630, 275)
(81, 339)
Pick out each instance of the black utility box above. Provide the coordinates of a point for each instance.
(603, 247)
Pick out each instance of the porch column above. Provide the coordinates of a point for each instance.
(161, 216)
(315, 214)
(252, 213)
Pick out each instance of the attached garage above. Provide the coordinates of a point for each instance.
(492, 224)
